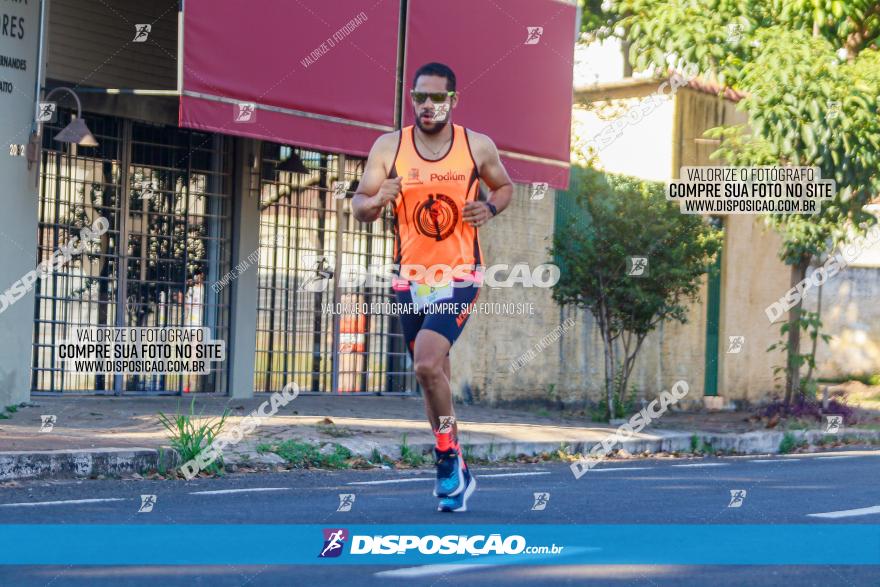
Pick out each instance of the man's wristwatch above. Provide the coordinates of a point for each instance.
(492, 208)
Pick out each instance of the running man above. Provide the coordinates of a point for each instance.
(430, 174)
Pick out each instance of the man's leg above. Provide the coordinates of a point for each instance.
(431, 366)
(433, 417)
(455, 483)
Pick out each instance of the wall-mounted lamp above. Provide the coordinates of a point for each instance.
(76, 132)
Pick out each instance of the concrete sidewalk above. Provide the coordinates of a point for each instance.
(107, 435)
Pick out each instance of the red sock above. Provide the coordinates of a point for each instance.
(444, 440)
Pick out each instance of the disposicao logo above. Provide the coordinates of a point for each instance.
(404, 544)
(334, 541)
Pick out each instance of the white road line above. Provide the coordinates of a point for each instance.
(605, 469)
(385, 481)
(841, 453)
(702, 465)
(849, 513)
(772, 460)
(514, 474)
(834, 458)
(222, 491)
(62, 502)
(412, 479)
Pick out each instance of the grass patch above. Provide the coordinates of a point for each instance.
(160, 465)
(304, 455)
(6, 412)
(377, 458)
(562, 454)
(789, 443)
(334, 431)
(700, 446)
(189, 438)
(409, 456)
(828, 439)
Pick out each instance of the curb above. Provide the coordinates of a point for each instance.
(62, 464)
(759, 442)
(21, 465)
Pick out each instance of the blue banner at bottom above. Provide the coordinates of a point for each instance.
(679, 544)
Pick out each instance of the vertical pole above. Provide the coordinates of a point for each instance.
(242, 344)
(180, 20)
(713, 315)
(340, 218)
(122, 245)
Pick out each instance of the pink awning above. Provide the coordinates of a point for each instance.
(515, 87)
(323, 75)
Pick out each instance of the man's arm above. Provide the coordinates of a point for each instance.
(493, 174)
(375, 190)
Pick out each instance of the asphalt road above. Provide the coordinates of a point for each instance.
(845, 487)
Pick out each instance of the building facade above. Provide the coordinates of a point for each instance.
(212, 221)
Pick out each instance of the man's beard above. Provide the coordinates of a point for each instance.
(438, 126)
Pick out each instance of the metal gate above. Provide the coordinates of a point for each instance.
(307, 233)
(165, 193)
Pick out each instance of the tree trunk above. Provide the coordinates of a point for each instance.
(792, 371)
(809, 374)
(608, 344)
(629, 362)
(609, 374)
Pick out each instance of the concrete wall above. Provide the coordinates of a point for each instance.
(18, 222)
(481, 357)
(851, 314)
(752, 276)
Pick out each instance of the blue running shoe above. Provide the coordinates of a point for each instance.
(450, 473)
(459, 502)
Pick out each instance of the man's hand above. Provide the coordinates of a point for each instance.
(476, 213)
(375, 190)
(388, 192)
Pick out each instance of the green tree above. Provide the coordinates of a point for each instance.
(810, 75)
(623, 217)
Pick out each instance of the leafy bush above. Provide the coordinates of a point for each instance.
(806, 407)
(611, 220)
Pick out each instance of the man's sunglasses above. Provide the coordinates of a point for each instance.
(436, 97)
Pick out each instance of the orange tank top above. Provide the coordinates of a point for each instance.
(428, 227)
